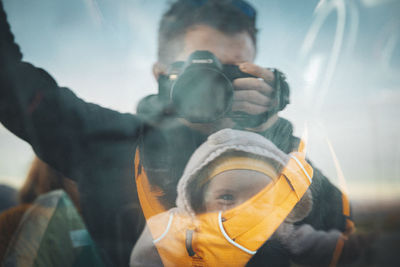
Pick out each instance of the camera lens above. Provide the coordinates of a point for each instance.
(202, 94)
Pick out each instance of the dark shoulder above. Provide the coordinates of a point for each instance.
(281, 134)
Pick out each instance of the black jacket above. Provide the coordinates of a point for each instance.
(95, 146)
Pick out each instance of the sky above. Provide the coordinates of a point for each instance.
(342, 60)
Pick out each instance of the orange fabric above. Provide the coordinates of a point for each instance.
(249, 224)
(346, 205)
(338, 251)
(349, 228)
(148, 195)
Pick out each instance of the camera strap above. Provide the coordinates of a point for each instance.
(280, 99)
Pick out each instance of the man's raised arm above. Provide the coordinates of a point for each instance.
(90, 144)
(58, 125)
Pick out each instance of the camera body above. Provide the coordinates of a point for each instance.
(201, 90)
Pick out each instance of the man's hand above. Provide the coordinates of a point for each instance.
(253, 95)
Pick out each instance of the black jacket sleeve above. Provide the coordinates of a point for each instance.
(53, 120)
(90, 144)
(329, 207)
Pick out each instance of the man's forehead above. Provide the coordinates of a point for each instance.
(230, 49)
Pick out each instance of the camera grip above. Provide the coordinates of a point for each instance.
(280, 96)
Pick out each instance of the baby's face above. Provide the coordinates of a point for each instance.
(231, 188)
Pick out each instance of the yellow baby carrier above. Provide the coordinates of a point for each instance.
(227, 238)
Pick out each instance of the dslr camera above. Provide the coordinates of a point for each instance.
(201, 90)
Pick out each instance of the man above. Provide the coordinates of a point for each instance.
(96, 146)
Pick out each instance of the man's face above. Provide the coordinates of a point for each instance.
(229, 49)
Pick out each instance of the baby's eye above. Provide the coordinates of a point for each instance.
(226, 197)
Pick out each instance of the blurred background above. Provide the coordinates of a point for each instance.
(341, 57)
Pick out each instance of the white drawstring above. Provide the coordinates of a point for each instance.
(171, 215)
(221, 227)
(302, 167)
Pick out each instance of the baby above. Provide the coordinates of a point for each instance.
(237, 192)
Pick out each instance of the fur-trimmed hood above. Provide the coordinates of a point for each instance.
(229, 140)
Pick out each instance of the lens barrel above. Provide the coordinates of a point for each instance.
(200, 89)
(202, 93)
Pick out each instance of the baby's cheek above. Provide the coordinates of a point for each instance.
(212, 206)
(241, 200)
(244, 196)
(216, 205)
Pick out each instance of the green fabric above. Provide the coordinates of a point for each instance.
(52, 233)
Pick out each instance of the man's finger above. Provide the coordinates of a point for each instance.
(253, 84)
(257, 71)
(252, 96)
(248, 108)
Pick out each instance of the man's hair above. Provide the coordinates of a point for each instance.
(184, 14)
